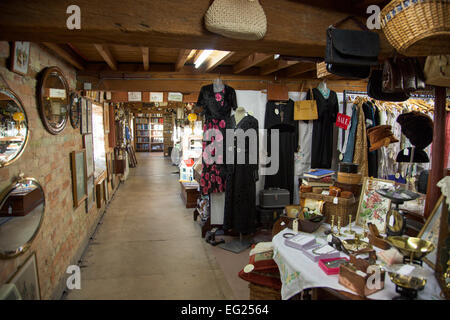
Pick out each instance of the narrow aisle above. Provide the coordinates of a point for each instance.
(148, 246)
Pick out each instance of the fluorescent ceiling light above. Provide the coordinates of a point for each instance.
(202, 57)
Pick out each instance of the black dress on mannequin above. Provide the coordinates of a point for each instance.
(322, 139)
(240, 194)
(280, 115)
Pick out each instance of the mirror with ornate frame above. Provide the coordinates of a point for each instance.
(75, 110)
(22, 207)
(54, 100)
(13, 127)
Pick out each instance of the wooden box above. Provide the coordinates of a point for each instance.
(22, 203)
(189, 194)
(350, 279)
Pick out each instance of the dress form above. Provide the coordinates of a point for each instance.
(322, 87)
(218, 85)
(240, 114)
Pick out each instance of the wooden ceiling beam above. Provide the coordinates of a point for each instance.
(299, 69)
(183, 55)
(294, 26)
(277, 65)
(216, 59)
(106, 54)
(251, 61)
(68, 55)
(146, 57)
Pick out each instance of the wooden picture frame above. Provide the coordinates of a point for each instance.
(430, 231)
(89, 116)
(90, 199)
(20, 57)
(106, 118)
(83, 111)
(372, 206)
(88, 144)
(79, 177)
(26, 279)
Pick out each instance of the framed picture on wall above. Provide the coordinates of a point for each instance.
(83, 111)
(430, 232)
(88, 144)
(89, 116)
(20, 57)
(106, 117)
(373, 207)
(90, 200)
(26, 280)
(79, 177)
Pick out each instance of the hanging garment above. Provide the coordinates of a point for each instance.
(348, 155)
(217, 108)
(344, 134)
(322, 139)
(360, 155)
(280, 115)
(372, 120)
(240, 194)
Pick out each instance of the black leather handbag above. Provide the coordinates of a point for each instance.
(351, 48)
(402, 75)
(375, 89)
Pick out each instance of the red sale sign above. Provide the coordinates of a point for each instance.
(343, 121)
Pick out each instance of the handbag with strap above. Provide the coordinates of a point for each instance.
(350, 53)
(237, 19)
(306, 109)
(402, 75)
(375, 89)
(437, 70)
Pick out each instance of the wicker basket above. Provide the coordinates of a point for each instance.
(322, 70)
(343, 209)
(349, 178)
(417, 27)
(258, 292)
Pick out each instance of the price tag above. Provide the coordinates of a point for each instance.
(391, 220)
(295, 225)
(336, 200)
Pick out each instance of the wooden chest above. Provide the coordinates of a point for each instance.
(189, 194)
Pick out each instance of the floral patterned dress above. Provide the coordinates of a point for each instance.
(217, 109)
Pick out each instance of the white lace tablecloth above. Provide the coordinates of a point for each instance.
(298, 272)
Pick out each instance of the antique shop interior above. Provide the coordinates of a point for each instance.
(165, 151)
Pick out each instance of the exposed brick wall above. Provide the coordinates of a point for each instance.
(47, 158)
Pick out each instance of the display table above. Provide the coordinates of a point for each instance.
(189, 193)
(298, 272)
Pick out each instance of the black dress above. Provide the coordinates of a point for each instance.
(240, 195)
(217, 108)
(280, 115)
(322, 138)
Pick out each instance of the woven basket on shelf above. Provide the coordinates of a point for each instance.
(417, 27)
(258, 292)
(237, 19)
(343, 209)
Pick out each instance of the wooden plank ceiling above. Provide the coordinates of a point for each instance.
(120, 44)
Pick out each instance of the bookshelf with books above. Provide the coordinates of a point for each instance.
(142, 135)
(156, 133)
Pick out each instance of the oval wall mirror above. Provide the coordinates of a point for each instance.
(75, 110)
(13, 127)
(22, 207)
(54, 100)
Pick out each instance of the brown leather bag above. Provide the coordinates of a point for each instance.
(402, 75)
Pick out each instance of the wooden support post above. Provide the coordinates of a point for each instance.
(438, 154)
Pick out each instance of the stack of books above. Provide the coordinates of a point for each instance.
(318, 178)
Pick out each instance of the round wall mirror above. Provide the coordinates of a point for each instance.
(54, 104)
(75, 110)
(22, 207)
(13, 127)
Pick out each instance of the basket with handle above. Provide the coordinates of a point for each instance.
(417, 27)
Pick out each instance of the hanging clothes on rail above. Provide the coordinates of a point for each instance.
(280, 115)
(217, 108)
(322, 139)
(361, 154)
(371, 115)
(349, 150)
(240, 194)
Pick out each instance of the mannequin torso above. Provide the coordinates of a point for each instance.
(218, 85)
(322, 87)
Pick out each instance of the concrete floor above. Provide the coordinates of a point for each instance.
(149, 247)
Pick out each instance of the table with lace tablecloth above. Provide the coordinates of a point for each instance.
(298, 272)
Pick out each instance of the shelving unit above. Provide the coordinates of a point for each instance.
(156, 133)
(142, 134)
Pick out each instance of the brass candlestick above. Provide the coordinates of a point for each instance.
(339, 227)
(350, 231)
(332, 224)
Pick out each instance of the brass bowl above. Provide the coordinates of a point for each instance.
(411, 246)
(353, 245)
(408, 282)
